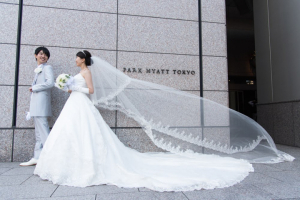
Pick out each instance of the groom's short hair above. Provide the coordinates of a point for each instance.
(44, 49)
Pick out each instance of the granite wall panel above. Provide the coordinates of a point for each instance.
(176, 9)
(220, 97)
(24, 142)
(23, 107)
(89, 5)
(165, 103)
(213, 11)
(296, 119)
(215, 73)
(283, 124)
(153, 68)
(158, 35)
(217, 135)
(69, 28)
(6, 137)
(281, 121)
(8, 64)
(6, 106)
(10, 1)
(124, 121)
(214, 40)
(9, 23)
(137, 139)
(216, 115)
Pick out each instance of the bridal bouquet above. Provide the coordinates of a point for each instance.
(63, 81)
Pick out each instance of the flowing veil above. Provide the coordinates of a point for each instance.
(180, 122)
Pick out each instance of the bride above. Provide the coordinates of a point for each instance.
(82, 150)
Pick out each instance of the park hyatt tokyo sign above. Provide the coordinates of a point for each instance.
(158, 71)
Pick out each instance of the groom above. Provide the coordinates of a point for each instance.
(40, 103)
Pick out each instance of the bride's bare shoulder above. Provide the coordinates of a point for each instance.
(86, 73)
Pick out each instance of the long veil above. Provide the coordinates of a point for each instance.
(180, 122)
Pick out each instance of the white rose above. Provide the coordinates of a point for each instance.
(62, 80)
(38, 70)
(58, 79)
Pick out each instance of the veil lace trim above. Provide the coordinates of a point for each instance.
(180, 122)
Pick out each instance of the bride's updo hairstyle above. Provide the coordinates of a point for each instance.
(86, 55)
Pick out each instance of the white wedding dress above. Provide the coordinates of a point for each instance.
(82, 150)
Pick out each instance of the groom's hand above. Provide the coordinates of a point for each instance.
(70, 91)
(30, 89)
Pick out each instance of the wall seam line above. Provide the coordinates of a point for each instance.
(270, 50)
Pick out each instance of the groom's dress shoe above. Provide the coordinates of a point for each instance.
(33, 161)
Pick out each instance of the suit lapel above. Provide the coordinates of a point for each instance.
(37, 75)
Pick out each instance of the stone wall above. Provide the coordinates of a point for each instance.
(128, 34)
(277, 60)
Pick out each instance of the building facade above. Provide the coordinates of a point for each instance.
(173, 35)
(277, 48)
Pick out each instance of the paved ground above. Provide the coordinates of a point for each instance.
(272, 181)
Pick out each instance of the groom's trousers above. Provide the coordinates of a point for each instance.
(41, 134)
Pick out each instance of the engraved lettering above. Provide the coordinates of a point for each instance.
(158, 71)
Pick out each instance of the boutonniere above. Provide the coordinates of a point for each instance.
(38, 70)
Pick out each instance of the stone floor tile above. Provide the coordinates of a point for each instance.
(248, 191)
(281, 190)
(36, 180)
(254, 178)
(75, 191)
(128, 196)
(265, 167)
(236, 192)
(216, 194)
(295, 184)
(286, 176)
(85, 197)
(20, 170)
(170, 195)
(269, 181)
(26, 191)
(13, 180)
(4, 169)
(290, 166)
(9, 164)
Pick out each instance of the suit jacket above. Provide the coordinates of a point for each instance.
(40, 103)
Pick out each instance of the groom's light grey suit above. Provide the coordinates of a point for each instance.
(40, 105)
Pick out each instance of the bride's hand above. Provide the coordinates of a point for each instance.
(70, 91)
